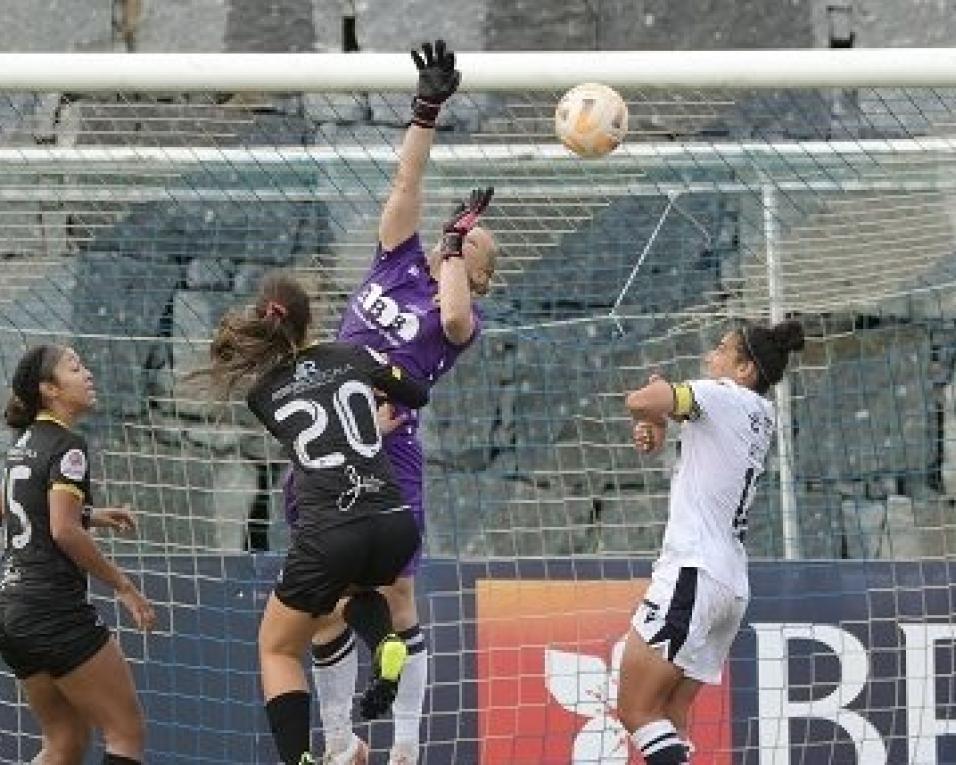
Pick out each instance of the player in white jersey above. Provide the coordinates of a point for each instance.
(682, 630)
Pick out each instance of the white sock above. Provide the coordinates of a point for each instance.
(659, 743)
(335, 671)
(410, 698)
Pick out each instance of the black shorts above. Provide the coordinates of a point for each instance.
(367, 552)
(38, 636)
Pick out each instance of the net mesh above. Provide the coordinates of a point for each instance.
(129, 223)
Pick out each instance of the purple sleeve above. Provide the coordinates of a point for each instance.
(410, 248)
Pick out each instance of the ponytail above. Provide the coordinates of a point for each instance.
(19, 414)
(248, 341)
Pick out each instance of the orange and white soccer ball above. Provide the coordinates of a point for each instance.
(591, 119)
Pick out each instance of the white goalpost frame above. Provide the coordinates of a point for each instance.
(790, 528)
(500, 71)
(47, 170)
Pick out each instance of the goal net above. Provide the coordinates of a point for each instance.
(142, 196)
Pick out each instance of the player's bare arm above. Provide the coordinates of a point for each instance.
(66, 528)
(654, 401)
(437, 81)
(119, 519)
(454, 299)
(650, 430)
(454, 284)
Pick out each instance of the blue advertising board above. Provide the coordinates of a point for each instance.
(837, 662)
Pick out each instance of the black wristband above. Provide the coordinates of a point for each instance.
(86, 517)
(424, 113)
(451, 245)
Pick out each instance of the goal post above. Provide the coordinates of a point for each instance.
(481, 71)
(141, 195)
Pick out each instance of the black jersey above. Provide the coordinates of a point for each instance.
(320, 405)
(46, 456)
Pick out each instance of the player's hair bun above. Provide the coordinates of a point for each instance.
(788, 335)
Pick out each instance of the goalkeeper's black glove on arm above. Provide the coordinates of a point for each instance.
(463, 220)
(437, 80)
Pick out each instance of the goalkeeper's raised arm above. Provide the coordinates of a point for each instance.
(437, 81)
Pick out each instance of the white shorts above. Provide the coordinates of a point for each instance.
(692, 619)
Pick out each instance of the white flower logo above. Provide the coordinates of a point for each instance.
(582, 685)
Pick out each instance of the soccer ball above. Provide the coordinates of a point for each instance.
(591, 119)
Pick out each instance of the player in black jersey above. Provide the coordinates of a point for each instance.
(73, 673)
(354, 530)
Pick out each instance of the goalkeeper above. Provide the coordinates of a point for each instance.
(419, 309)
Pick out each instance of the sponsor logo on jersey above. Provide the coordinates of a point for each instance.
(384, 312)
(73, 465)
(307, 376)
(305, 369)
(358, 484)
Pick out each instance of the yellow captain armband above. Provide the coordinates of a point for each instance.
(685, 405)
(69, 488)
(396, 372)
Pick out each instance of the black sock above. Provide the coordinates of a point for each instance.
(288, 716)
(118, 759)
(367, 613)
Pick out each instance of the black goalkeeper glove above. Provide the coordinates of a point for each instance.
(464, 219)
(437, 80)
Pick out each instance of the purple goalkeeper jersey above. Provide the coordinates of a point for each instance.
(395, 311)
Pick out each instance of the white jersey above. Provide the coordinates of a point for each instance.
(723, 445)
